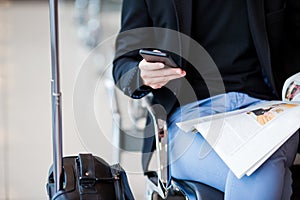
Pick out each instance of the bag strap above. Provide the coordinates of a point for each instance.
(86, 177)
(86, 170)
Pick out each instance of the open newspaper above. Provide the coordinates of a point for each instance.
(245, 138)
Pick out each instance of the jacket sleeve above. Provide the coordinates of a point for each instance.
(125, 65)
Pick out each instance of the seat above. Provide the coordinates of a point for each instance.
(296, 181)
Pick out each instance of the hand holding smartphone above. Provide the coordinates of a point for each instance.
(154, 56)
(156, 75)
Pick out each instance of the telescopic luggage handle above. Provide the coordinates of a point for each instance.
(56, 97)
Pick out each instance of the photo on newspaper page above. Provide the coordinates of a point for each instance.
(266, 114)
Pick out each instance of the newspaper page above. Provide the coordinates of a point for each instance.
(244, 139)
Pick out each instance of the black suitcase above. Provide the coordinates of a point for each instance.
(82, 177)
(89, 177)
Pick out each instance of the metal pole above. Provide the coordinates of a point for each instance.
(56, 97)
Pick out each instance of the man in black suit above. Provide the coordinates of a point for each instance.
(230, 55)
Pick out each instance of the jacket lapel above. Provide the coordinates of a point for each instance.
(258, 30)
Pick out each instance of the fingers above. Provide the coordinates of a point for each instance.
(162, 72)
(159, 82)
(150, 66)
(156, 75)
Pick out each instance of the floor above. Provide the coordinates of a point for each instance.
(25, 100)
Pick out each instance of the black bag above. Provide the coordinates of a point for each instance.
(90, 177)
(82, 177)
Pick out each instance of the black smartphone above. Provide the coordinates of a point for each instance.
(153, 56)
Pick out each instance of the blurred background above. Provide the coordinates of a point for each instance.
(91, 120)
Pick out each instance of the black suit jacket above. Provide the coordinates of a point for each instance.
(274, 26)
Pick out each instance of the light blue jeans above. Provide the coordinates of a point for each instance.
(191, 158)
